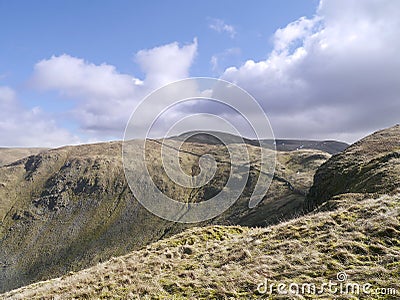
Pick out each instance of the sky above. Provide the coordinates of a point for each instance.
(73, 71)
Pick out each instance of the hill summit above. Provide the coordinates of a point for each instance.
(371, 165)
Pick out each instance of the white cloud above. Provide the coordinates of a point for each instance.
(166, 63)
(220, 26)
(336, 74)
(104, 97)
(20, 126)
(214, 62)
(295, 31)
(7, 96)
(219, 59)
(74, 77)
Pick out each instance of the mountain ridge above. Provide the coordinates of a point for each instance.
(11, 154)
(69, 208)
(350, 228)
(216, 137)
(371, 165)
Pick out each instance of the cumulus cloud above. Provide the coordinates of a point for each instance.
(220, 26)
(220, 58)
(105, 98)
(295, 31)
(336, 75)
(166, 63)
(20, 126)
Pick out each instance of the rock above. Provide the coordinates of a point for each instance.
(187, 250)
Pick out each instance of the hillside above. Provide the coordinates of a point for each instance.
(331, 147)
(70, 208)
(372, 165)
(9, 155)
(356, 234)
(351, 237)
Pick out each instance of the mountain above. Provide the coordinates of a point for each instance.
(331, 147)
(70, 208)
(372, 165)
(350, 237)
(9, 155)
(215, 137)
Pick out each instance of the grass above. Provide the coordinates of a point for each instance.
(355, 229)
(70, 208)
(352, 234)
(9, 155)
(372, 165)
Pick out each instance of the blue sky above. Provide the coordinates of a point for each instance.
(288, 54)
(113, 31)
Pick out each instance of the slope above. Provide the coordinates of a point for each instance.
(355, 229)
(371, 165)
(9, 155)
(69, 208)
(215, 137)
(359, 237)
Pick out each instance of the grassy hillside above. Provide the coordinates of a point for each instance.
(372, 165)
(9, 155)
(215, 137)
(353, 233)
(331, 147)
(70, 208)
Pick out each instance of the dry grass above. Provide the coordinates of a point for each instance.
(372, 165)
(70, 208)
(9, 155)
(352, 233)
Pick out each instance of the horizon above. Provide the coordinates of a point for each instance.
(186, 132)
(72, 73)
